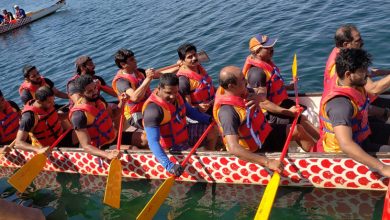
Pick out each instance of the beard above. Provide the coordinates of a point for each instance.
(90, 72)
(92, 99)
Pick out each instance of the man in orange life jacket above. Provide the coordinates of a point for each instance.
(264, 76)
(348, 36)
(9, 119)
(32, 81)
(344, 113)
(7, 17)
(85, 66)
(41, 122)
(164, 118)
(197, 88)
(244, 129)
(93, 124)
(9, 122)
(131, 81)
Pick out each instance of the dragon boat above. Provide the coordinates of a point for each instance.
(318, 170)
(32, 16)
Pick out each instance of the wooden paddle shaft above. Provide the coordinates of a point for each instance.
(119, 142)
(198, 143)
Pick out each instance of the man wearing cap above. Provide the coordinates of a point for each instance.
(196, 86)
(264, 76)
(85, 66)
(32, 81)
(20, 13)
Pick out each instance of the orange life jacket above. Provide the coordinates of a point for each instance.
(99, 123)
(360, 127)
(9, 120)
(173, 127)
(276, 92)
(135, 82)
(201, 85)
(47, 127)
(32, 88)
(254, 128)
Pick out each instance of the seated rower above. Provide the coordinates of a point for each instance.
(131, 81)
(92, 123)
(32, 81)
(243, 126)
(43, 124)
(20, 13)
(85, 66)
(344, 113)
(196, 86)
(9, 122)
(7, 16)
(164, 118)
(265, 77)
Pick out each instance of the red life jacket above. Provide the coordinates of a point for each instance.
(201, 85)
(135, 82)
(99, 123)
(47, 127)
(360, 127)
(173, 127)
(9, 120)
(32, 88)
(276, 92)
(254, 128)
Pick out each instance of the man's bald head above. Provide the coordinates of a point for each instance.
(229, 75)
(344, 34)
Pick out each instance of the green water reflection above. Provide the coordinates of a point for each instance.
(74, 196)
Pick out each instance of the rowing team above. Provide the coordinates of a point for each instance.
(7, 17)
(251, 108)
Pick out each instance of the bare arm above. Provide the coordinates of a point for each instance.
(378, 86)
(60, 94)
(110, 91)
(378, 72)
(234, 148)
(139, 93)
(348, 146)
(272, 107)
(21, 143)
(84, 139)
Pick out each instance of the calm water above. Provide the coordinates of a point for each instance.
(154, 30)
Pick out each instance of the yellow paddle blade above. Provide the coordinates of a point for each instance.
(27, 173)
(294, 67)
(157, 200)
(268, 198)
(112, 195)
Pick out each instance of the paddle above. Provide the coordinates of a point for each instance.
(267, 201)
(202, 57)
(163, 191)
(27, 173)
(112, 195)
(386, 205)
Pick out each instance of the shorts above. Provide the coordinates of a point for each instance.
(194, 133)
(283, 119)
(136, 120)
(378, 139)
(126, 140)
(275, 139)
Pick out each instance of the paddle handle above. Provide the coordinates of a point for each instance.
(167, 67)
(198, 143)
(119, 142)
(60, 139)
